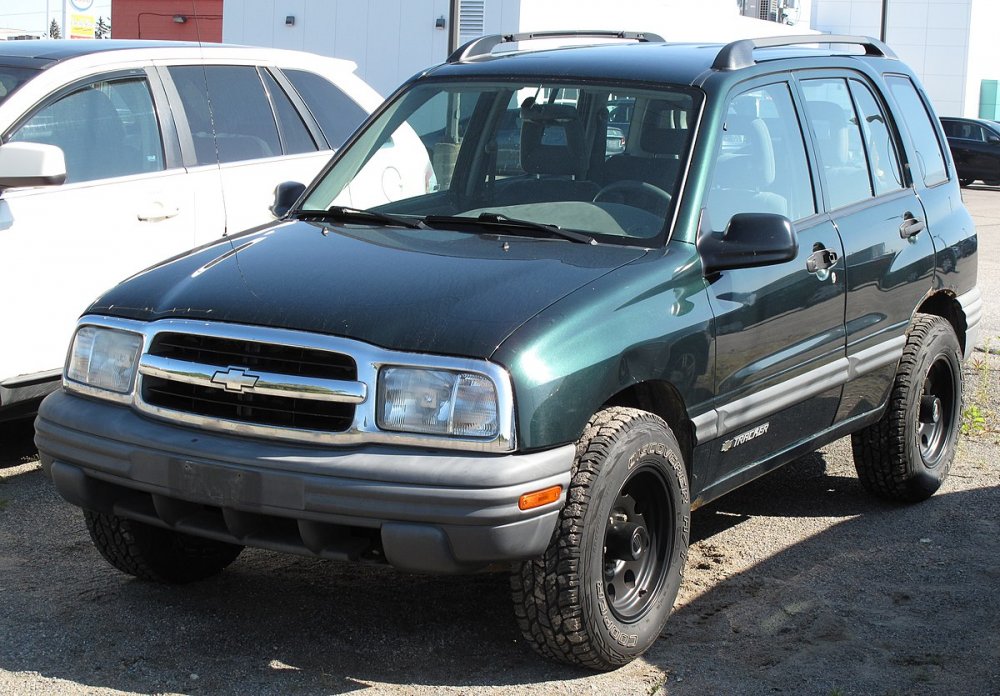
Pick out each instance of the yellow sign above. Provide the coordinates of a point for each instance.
(81, 26)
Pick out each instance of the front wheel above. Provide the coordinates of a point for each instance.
(605, 586)
(152, 553)
(907, 454)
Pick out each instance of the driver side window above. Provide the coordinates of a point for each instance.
(761, 164)
(105, 129)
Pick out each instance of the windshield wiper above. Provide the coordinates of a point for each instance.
(508, 223)
(346, 214)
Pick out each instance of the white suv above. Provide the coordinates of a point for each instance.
(118, 154)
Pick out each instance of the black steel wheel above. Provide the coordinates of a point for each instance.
(637, 544)
(907, 454)
(604, 588)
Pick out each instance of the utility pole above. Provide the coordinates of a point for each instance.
(885, 17)
(454, 21)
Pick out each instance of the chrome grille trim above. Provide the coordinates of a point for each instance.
(269, 383)
(368, 358)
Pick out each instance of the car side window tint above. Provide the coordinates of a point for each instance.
(882, 157)
(336, 113)
(295, 136)
(930, 159)
(838, 140)
(105, 129)
(228, 112)
(761, 165)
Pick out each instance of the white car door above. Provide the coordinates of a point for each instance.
(242, 123)
(125, 206)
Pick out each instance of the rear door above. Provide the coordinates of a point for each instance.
(126, 204)
(881, 222)
(242, 135)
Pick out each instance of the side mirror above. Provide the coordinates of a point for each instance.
(285, 195)
(750, 240)
(31, 164)
(993, 139)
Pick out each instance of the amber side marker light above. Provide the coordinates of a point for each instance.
(545, 496)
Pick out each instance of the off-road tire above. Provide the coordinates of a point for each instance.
(904, 456)
(565, 602)
(156, 554)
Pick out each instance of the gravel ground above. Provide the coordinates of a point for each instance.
(798, 583)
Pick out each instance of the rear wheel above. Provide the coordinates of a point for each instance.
(965, 182)
(156, 554)
(907, 454)
(605, 586)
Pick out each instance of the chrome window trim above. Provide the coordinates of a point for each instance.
(369, 359)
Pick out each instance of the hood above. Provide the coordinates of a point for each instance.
(431, 291)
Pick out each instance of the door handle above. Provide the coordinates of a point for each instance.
(911, 226)
(156, 211)
(820, 260)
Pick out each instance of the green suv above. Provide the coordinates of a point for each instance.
(554, 356)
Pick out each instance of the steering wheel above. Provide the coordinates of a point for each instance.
(637, 194)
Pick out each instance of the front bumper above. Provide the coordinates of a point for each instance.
(418, 510)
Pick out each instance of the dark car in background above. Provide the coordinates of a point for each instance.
(975, 147)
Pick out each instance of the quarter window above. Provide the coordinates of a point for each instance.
(228, 113)
(294, 135)
(105, 129)
(336, 113)
(838, 138)
(930, 158)
(761, 165)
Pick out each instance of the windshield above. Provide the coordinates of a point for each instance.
(11, 78)
(605, 160)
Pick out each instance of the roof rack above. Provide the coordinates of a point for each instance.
(739, 54)
(485, 44)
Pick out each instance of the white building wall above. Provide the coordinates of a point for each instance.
(984, 51)
(930, 36)
(391, 40)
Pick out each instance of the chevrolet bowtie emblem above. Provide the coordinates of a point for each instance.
(235, 379)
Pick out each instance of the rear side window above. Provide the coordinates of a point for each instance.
(838, 138)
(336, 113)
(105, 129)
(227, 111)
(930, 159)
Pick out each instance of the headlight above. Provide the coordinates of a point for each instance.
(437, 401)
(104, 358)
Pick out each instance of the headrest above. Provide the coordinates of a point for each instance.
(753, 166)
(830, 124)
(552, 140)
(664, 130)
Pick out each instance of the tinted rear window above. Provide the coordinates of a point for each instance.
(11, 78)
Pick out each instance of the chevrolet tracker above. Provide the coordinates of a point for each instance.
(547, 361)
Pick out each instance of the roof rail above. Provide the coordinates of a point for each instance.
(739, 54)
(485, 44)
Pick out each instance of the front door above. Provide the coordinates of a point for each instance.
(780, 328)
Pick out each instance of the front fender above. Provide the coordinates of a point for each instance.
(647, 321)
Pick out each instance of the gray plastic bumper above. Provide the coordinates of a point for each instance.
(419, 510)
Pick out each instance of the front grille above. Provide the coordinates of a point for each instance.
(246, 406)
(254, 355)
